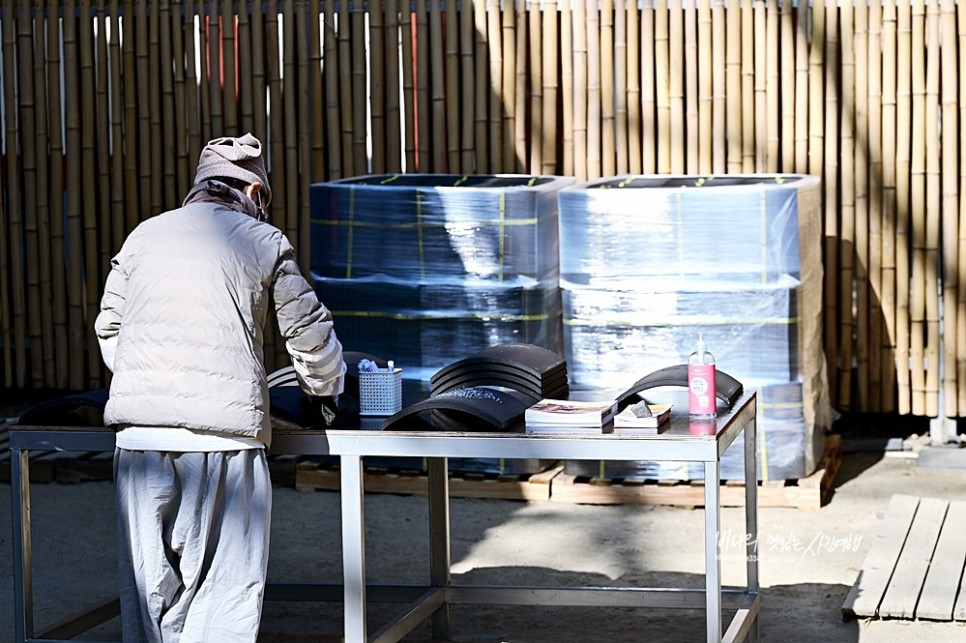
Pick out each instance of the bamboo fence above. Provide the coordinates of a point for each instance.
(106, 104)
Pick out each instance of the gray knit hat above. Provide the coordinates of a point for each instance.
(238, 158)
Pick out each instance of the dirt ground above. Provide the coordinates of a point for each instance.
(809, 559)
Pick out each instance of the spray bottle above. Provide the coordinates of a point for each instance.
(702, 404)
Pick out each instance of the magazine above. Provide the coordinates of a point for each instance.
(550, 413)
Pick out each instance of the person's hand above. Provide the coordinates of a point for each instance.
(323, 410)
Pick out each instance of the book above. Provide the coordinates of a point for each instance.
(551, 413)
(642, 416)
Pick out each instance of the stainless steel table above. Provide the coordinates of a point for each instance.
(678, 443)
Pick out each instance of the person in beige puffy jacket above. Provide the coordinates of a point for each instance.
(181, 327)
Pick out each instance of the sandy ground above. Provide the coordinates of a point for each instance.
(809, 560)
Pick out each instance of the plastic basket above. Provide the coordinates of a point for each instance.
(380, 392)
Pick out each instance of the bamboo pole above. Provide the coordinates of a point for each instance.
(102, 153)
(904, 382)
(394, 149)
(182, 164)
(649, 129)
(44, 241)
(816, 85)
(594, 90)
(422, 86)
(876, 231)
(131, 153)
(213, 87)
(580, 90)
(536, 89)
(830, 181)
(289, 132)
(520, 89)
(950, 206)
(357, 38)
(801, 89)
(378, 72)
(719, 133)
(304, 135)
(567, 87)
(436, 79)
(662, 73)
(862, 228)
(228, 51)
(691, 104)
(6, 267)
(31, 225)
(453, 112)
(10, 259)
(480, 90)
(330, 48)
(344, 59)
(788, 82)
(550, 88)
(760, 53)
(87, 192)
(917, 287)
(933, 212)
(192, 95)
(276, 128)
(165, 132)
(250, 90)
(773, 92)
(705, 87)
(143, 109)
(495, 109)
(677, 141)
(732, 52)
(608, 144)
(156, 168)
(58, 241)
(634, 142)
(889, 285)
(468, 81)
(840, 380)
(747, 101)
(961, 292)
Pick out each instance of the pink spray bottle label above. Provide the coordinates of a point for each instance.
(701, 390)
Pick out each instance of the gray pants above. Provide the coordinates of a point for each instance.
(193, 532)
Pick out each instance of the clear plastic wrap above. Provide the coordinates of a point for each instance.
(648, 262)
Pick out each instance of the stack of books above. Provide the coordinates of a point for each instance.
(552, 415)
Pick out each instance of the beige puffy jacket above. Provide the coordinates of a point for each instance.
(182, 319)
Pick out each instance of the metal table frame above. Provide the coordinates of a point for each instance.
(676, 444)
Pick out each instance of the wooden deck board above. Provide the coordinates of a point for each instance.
(938, 598)
(910, 572)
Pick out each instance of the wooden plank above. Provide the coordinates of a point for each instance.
(938, 597)
(876, 573)
(910, 572)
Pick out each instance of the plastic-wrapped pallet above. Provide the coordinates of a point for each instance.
(648, 262)
(426, 269)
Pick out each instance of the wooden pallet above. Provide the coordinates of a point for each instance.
(914, 568)
(554, 485)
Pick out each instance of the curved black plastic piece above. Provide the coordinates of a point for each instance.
(527, 359)
(727, 388)
(80, 409)
(498, 409)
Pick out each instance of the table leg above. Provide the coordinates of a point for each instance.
(353, 548)
(439, 540)
(712, 526)
(23, 585)
(751, 517)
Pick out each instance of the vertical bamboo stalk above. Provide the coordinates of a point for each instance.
(761, 86)
(580, 89)
(816, 85)
(87, 192)
(360, 82)
(950, 205)
(150, 198)
(903, 202)
(343, 44)
(747, 86)
(333, 101)
(58, 241)
(166, 171)
(377, 87)
(801, 88)
(933, 212)
(182, 165)
(550, 88)
(840, 379)
(876, 231)
(394, 136)
(495, 39)
(536, 89)
(103, 153)
(192, 98)
(521, 136)
(961, 250)
(649, 130)
(676, 111)
(788, 81)
(594, 90)
(719, 111)
(862, 227)
(481, 87)
(691, 104)
(620, 87)
(889, 126)
(566, 86)
(917, 271)
(213, 86)
(733, 87)
(468, 82)
(608, 165)
(23, 49)
(705, 87)
(662, 73)
(228, 51)
(304, 134)
(772, 90)
(424, 109)
(831, 183)
(18, 337)
(286, 136)
(276, 126)
(453, 111)
(633, 88)
(131, 101)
